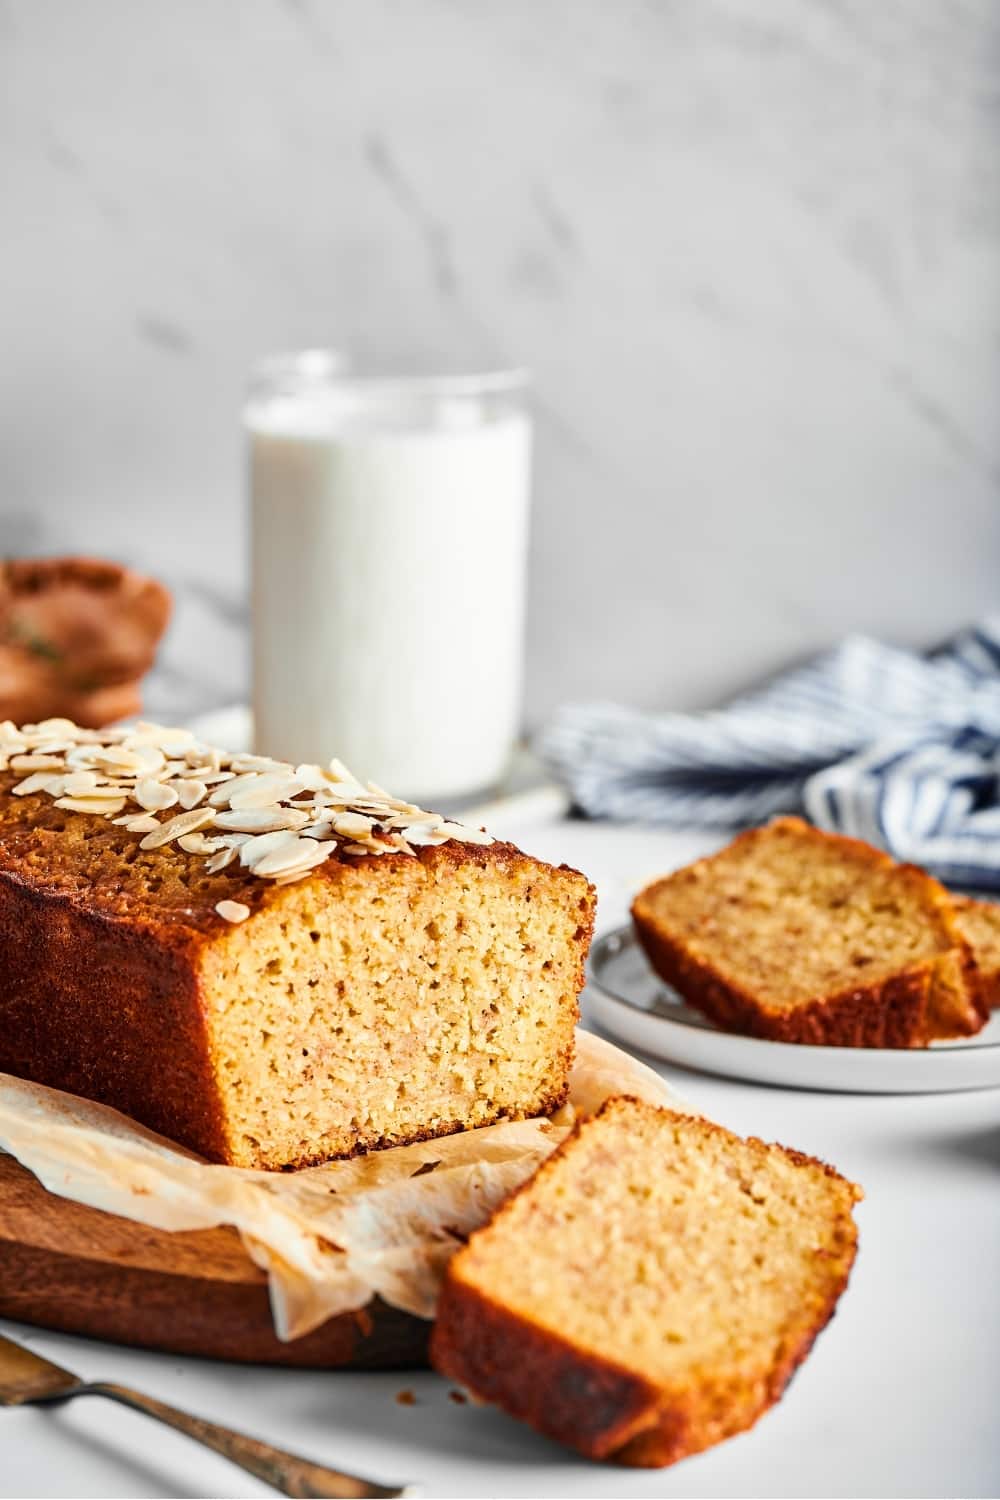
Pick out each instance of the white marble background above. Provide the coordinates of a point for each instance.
(751, 249)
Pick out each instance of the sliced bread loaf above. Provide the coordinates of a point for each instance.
(653, 1287)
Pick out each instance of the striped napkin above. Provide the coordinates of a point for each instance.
(900, 749)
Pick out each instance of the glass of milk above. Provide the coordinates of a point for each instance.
(389, 521)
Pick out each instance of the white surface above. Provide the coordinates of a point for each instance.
(751, 252)
(389, 537)
(897, 1399)
(634, 1005)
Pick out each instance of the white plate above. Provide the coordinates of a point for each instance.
(635, 1005)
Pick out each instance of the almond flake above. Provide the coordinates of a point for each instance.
(220, 797)
(262, 819)
(232, 911)
(189, 793)
(195, 843)
(258, 847)
(247, 762)
(303, 856)
(466, 835)
(425, 835)
(353, 825)
(186, 822)
(339, 772)
(262, 791)
(220, 860)
(36, 782)
(138, 822)
(61, 728)
(154, 796)
(82, 783)
(94, 805)
(149, 758)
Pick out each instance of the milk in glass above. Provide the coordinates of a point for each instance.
(389, 531)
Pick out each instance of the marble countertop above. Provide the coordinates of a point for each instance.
(897, 1398)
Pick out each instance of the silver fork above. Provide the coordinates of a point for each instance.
(26, 1378)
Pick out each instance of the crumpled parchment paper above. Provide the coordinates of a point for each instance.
(331, 1237)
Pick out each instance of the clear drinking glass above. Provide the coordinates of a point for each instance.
(389, 521)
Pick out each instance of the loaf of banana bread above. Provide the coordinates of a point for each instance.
(273, 965)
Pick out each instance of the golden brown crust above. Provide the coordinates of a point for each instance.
(100, 868)
(941, 996)
(587, 1403)
(891, 1014)
(108, 1010)
(594, 1405)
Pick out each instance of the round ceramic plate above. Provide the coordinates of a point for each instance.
(635, 1005)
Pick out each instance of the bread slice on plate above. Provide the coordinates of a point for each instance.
(803, 936)
(979, 922)
(653, 1287)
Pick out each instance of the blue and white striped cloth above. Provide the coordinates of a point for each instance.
(899, 749)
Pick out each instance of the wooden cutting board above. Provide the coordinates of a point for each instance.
(78, 1270)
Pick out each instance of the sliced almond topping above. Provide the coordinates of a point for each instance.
(186, 822)
(138, 822)
(37, 763)
(262, 791)
(232, 911)
(149, 757)
(353, 825)
(195, 843)
(281, 819)
(262, 819)
(425, 835)
(220, 860)
(339, 772)
(466, 835)
(82, 783)
(154, 796)
(246, 762)
(36, 782)
(189, 793)
(257, 848)
(105, 809)
(303, 856)
(220, 797)
(60, 728)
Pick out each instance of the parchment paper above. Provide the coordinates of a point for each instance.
(329, 1237)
